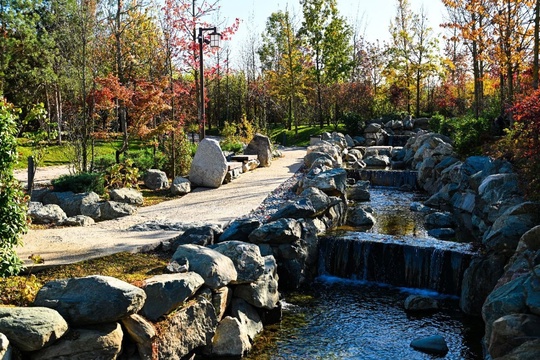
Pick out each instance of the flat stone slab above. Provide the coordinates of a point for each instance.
(243, 158)
(234, 165)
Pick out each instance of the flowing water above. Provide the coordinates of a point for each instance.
(338, 318)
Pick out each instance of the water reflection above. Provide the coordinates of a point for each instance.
(345, 319)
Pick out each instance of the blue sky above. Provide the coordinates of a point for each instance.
(372, 17)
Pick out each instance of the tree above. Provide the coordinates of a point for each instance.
(327, 35)
(12, 200)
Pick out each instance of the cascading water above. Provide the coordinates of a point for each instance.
(351, 311)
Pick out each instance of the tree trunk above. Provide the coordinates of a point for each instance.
(536, 43)
(121, 109)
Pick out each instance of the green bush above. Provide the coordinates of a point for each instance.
(184, 151)
(234, 146)
(122, 175)
(80, 183)
(102, 163)
(353, 123)
(147, 159)
(12, 200)
(467, 132)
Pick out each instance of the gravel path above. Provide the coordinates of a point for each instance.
(241, 197)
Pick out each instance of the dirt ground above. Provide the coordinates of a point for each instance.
(203, 205)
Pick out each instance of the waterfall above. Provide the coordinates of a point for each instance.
(399, 261)
(386, 178)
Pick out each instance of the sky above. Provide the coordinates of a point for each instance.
(371, 17)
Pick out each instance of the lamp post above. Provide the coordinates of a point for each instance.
(214, 41)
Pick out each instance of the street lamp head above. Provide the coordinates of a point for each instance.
(215, 39)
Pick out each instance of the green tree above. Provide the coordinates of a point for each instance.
(12, 200)
(327, 35)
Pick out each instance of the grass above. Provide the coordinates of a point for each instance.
(290, 138)
(129, 267)
(61, 154)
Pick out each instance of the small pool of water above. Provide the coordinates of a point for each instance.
(346, 319)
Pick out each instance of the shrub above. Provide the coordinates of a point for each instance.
(184, 151)
(12, 200)
(353, 123)
(80, 183)
(467, 132)
(122, 175)
(149, 158)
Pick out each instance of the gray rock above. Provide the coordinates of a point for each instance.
(439, 220)
(349, 140)
(499, 188)
(246, 257)
(332, 182)
(240, 229)
(46, 214)
(420, 303)
(198, 235)
(418, 207)
(187, 329)
(216, 269)
(111, 210)
(248, 316)
(98, 342)
(442, 233)
(510, 331)
(262, 147)
(250, 165)
(230, 339)
(379, 161)
(6, 352)
(526, 351)
(180, 186)
(209, 165)
(155, 179)
(506, 231)
(166, 292)
(319, 200)
(527, 252)
(317, 156)
(358, 216)
(478, 281)
(79, 220)
(282, 231)
(432, 345)
(69, 202)
(264, 292)
(127, 196)
(221, 299)
(91, 300)
(359, 191)
(142, 332)
(31, 328)
(297, 209)
(92, 210)
(373, 128)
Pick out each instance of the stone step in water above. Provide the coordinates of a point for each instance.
(386, 178)
(400, 261)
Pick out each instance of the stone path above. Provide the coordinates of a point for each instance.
(217, 206)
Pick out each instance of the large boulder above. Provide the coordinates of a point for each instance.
(248, 317)
(155, 179)
(332, 182)
(91, 300)
(510, 331)
(6, 351)
(231, 339)
(506, 231)
(186, 329)
(69, 202)
(262, 293)
(247, 259)
(46, 214)
(97, 342)
(127, 196)
(216, 269)
(359, 191)
(198, 235)
(478, 281)
(282, 231)
(240, 229)
(319, 200)
(358, 216)
(209, 165)
(262, 147)
(142, 332)
(31, 328)
(298, 209)
(111, 210)
(166, 292)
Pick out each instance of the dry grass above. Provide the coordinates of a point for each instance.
(130, 267)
